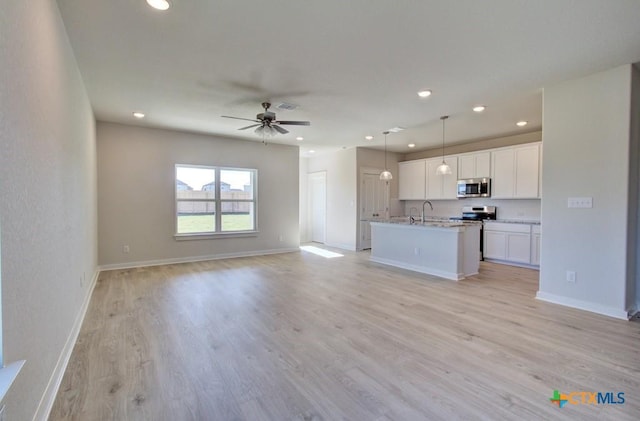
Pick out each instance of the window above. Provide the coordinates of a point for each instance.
(214, 200)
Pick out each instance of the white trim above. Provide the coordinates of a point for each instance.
(49, 395)
(7, 375)
(582, 305)
(512, 263)
(159, 262)
(440, 273)
(215, 235)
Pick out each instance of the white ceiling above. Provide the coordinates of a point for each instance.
(353, 67)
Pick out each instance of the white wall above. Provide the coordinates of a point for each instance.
(341, 225)
(136, 202)
(48, 205)
(586, 153)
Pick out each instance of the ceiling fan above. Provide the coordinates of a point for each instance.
(266, 123)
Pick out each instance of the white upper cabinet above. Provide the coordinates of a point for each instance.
(411, 180)
(441, 186)
(515, 172)
(474, 165)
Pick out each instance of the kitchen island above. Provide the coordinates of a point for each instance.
(445, 249)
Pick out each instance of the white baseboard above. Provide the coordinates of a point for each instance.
(174, 260)
(429, 271)
(582, 305)
(50, 393)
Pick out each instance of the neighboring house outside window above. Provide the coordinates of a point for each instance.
(215, 200)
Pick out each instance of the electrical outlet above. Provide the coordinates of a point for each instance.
(126, 249)
(571, 276)
(416, 251)
(580, 202)
(280, 238)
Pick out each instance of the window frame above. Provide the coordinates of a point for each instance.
(218, 201)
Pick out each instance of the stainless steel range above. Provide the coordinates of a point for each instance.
(478, 213)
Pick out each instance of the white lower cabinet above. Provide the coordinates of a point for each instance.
(535, 244)
(511, 243)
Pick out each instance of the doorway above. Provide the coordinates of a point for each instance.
(374, 203)
(317, 188)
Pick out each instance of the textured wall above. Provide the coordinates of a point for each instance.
(47, 195)
(136, 183)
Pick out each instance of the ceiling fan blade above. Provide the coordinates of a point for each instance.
(295, 123)
(248, 127)
(240, 118)
(280, 129)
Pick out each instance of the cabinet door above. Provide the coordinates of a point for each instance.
(434, 181)
(467, 166)
(483, 165)
(450, 181)
(474, 165)
(518, 247)
(535, 249)
(411, 180)
(495, 245)
(502, 173)
(527, 170)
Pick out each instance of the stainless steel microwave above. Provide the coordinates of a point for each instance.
(474, 187)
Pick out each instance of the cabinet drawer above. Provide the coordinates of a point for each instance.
(505, 227)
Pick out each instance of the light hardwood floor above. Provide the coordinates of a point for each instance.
(301, 337)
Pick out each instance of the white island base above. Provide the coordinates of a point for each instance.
(447, 250)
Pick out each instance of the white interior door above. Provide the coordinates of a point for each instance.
(374, 203)
(318, 206)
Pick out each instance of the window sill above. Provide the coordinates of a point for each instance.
(7, 375)
(215, 236)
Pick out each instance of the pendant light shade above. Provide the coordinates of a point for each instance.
(386, 174)
(443, 169)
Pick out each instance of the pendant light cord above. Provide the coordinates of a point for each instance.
(385, 150)
(443, 118)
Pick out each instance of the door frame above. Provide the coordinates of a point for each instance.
(387, 191)
(319, 175)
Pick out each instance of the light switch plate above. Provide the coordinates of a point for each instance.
(580, 202)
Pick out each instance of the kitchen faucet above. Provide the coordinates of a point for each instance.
(424, 203)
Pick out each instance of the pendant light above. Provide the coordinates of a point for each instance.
(443, 169)
(386, 174)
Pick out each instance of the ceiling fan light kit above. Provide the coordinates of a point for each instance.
(266, 123)
(443, 169)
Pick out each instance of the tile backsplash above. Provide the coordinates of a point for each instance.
(523, 209)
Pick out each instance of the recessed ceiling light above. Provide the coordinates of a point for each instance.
(479, 108)
(411, 145)
(368, 137)
(424, 94)
(158, 4)
(138, 114)
(396, 129)
(299, 138)
(312, 151)
(521, 123)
